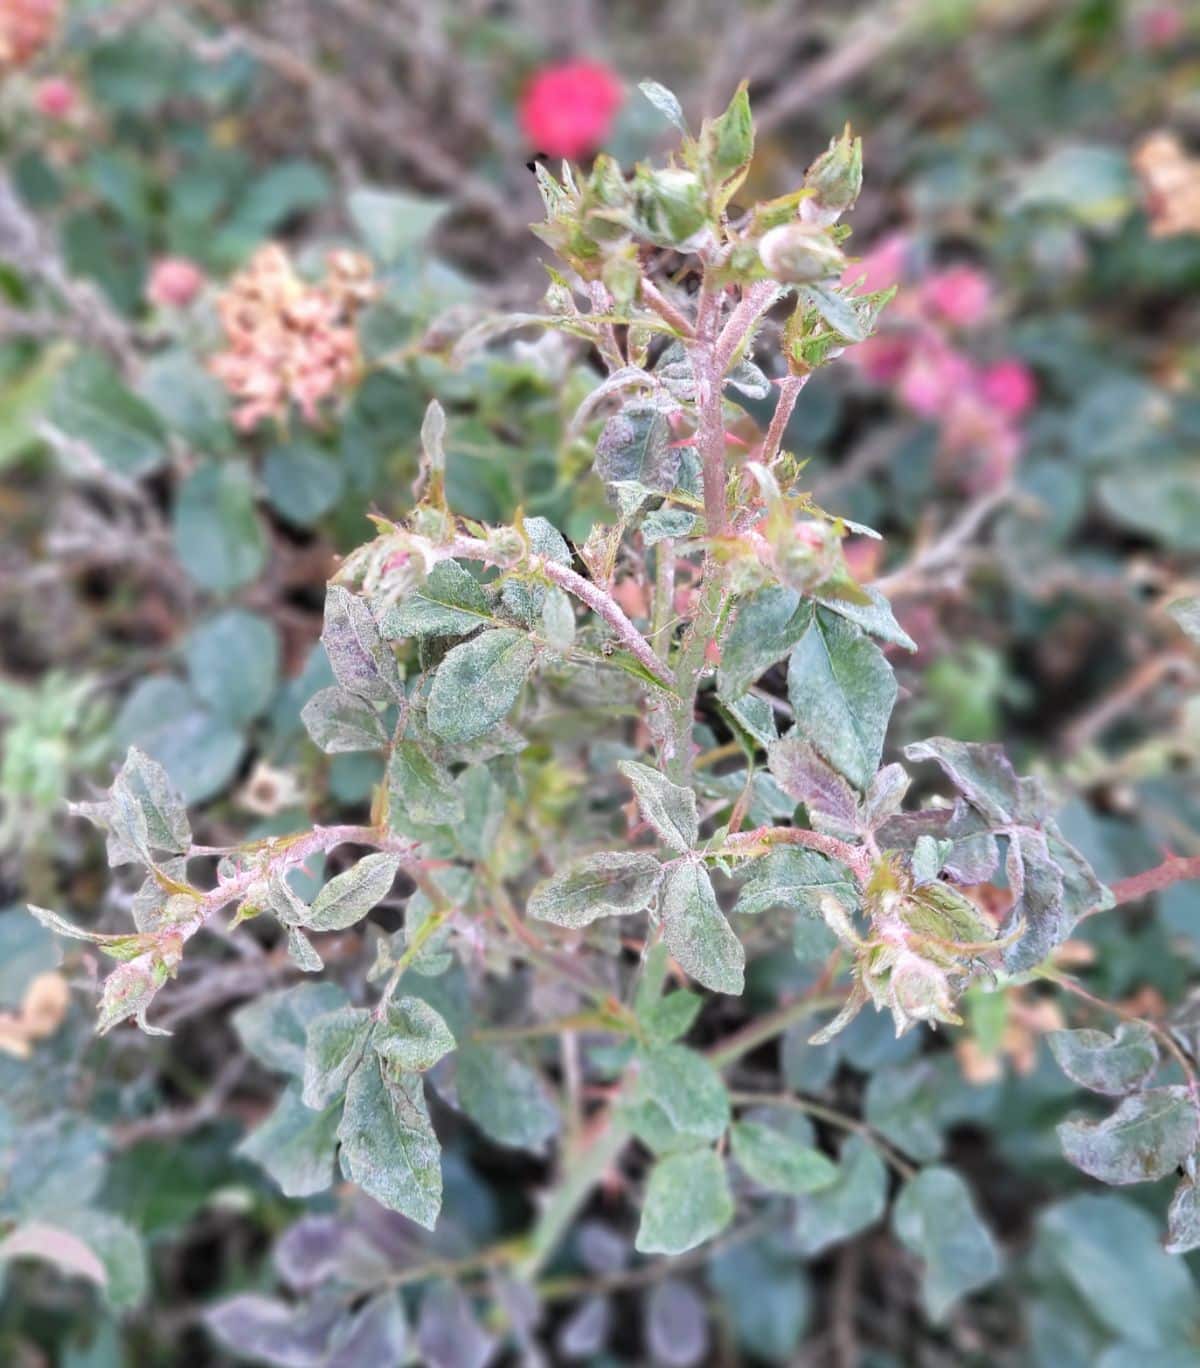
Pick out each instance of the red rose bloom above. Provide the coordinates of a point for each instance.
(567, 111)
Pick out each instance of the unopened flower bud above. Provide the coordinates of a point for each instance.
(174, 282)
(798, 254)
(835, 178)
(920, 991)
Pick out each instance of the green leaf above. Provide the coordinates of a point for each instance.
(1107, 1251)
(199, 751)
(1148, 1136)
(687, 1202)
(413, 1036)
(120, 1250)
(339, 723)
(1111, 1064)
(844, 315)
(610, 884)
(505, 1098)
(477, 684)
(146, 811)
(421, 788)
(842, 690)
(789, 876)
(558, 619)
(1183, 1219)
(768, 624)
(666, 102)
(295, 1145)
(390, 222)
(635, 447)
(875, 617)
(188, 400)
(449, 603)
(935, 1218)
(1186, 612)
(696, 932)
(687, 1088)
(301, 953)
(91, 405)
(778, 1162)
(348, 897)
(388, 1143)
(335, 1043)
(233, 664)
(667, 1018)
(803, 775)
(766, 1296)
(670, 809)
(854, 1201)
(362, 662)
(274, 1027)
(218, 536)
(23, 401)
(303, 482)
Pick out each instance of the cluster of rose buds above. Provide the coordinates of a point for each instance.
(26, 27)
(290, 341)
(923, 944)
(918, 353)
(567, 110)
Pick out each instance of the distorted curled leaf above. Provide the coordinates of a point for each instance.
(802, 774)
(348, 897)
(696, 932)
(635, 447)
(477, 684)
(1112, 1064)
(687, 1202)
(669, 808)
(608, 884)
(412, 1036)
(1148, 1136)
(335, 1043)
(339, 723)
(362, 662)
(1183, 1219)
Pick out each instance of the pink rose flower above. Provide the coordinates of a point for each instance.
(1009, 387)
(567, 110)
(174, 282)
(960, 295)
(883, 265)
(935, 376)
(55, 97)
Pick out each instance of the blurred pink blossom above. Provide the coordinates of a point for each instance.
(56, 97)
(1009, 387)
(1157, 27)
(567, 110)
(935, 376)
(174, 282)
(883, 265)
(961, 295)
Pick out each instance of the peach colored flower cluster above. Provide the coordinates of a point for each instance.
(26, 27)
(290, 341)
(919, 354)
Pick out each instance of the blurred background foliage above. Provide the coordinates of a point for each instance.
(162, 578)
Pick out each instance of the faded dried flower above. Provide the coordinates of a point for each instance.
(289, 341)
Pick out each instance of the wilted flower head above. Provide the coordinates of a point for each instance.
(289, 341)
(174, 282)
(26, 27)
(567, 110)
